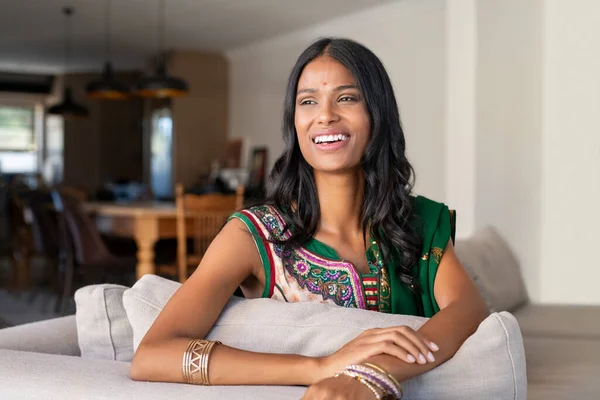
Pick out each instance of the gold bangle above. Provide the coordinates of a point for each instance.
(195, 361)
(383, 371)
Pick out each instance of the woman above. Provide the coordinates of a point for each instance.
(339, 226)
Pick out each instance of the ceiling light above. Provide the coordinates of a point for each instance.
(161, 84)
(107, 87)
(68, 108)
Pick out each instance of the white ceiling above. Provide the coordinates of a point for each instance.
(32, 31)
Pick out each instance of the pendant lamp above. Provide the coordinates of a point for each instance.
(68, 108)
(161, 85)
(107, 87)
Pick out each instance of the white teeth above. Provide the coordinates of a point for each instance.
(329, 138)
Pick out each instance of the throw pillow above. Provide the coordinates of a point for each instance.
(487, 255)
(103, 330)
(490, 364)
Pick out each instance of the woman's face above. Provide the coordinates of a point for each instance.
(332, 122)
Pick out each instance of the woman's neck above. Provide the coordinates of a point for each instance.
(340, 200)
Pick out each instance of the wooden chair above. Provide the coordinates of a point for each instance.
(200, 217)
(74, 192)
(85, 258)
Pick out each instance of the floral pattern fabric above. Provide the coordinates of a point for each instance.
(296, 275)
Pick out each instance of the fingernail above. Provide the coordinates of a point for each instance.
(434, 346)
(430, 357)
(411, 359)
(422, 359)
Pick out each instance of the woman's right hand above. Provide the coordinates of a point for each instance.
(402, 342)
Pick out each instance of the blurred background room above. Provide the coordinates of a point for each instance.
(130, 129)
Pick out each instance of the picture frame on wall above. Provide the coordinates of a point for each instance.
(258, 167)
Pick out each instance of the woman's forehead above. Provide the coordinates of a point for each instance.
(325, 71)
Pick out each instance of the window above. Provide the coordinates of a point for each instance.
(18, 139)
(17, 130)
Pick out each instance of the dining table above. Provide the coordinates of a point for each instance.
(144, 222)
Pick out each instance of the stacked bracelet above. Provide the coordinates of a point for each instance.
(195, 362)
(375, 377)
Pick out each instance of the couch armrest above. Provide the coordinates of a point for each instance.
(52, 336)
(42, 376)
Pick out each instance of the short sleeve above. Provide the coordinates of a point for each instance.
(259, 234)
(438, 228)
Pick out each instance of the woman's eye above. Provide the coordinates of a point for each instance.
(348, 98)
(307, 102)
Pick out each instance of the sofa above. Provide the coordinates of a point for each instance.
(88, 355)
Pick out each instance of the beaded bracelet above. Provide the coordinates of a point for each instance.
(394, 380)
(376, 375)
(371, 387)
(372, 377)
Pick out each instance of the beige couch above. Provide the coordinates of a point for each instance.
(562, 343)
(87, 356)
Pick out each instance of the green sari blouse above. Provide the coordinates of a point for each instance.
(315, 272)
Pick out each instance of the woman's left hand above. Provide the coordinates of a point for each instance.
(341, 388)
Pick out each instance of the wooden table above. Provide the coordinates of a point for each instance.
(144, 222)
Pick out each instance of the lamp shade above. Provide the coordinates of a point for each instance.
(107, 87)
(67, 108)
(161, 85)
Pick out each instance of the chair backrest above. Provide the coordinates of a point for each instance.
(74, 192)
(201, 217)
(43, 223)
(87, 243)
(210, 201)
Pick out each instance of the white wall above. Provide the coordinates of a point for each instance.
(571, 152)
(461, 110)
(509, 132)
(500, 101)
(408, 36)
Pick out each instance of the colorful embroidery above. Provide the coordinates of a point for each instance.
(337, 281)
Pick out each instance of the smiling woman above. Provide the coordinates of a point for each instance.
(326, 114)
(340, 226)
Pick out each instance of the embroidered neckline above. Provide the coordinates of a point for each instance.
(274, 211)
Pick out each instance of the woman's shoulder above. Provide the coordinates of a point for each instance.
(432, 216)
(262, 217)
(424, 206)
(260, 210)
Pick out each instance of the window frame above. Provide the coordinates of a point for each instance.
(37, 104)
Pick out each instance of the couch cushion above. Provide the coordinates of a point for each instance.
(495, 269)
(562, 369)
(489, 365)
(103, 329)
(559, 321)
(27, 376)
(51, 336)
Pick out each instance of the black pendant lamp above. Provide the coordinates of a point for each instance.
(68, 108)
(161, 85)
(107, 87)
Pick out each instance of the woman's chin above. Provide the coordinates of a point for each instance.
(337, 169)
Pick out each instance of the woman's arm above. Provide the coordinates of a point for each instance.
(194, 308)
(462, 309)
(231, 259)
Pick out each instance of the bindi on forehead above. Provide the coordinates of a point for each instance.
(324, 83)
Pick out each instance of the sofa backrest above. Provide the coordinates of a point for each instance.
(494, 268)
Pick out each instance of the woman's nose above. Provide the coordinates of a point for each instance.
(328, 114)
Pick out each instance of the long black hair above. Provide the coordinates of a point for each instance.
(387, 205)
